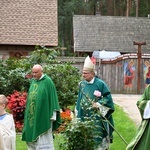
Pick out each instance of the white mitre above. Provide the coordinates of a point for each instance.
(88, 64)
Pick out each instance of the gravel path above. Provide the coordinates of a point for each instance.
(128, 103)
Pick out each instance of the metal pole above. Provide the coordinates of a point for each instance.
(99, 68)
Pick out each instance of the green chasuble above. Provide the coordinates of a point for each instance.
(86, 91)
(42, 101)
(141, 141)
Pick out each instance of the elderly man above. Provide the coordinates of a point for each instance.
(42, 114)
(93, 88)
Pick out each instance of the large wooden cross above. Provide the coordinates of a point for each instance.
(139, 63)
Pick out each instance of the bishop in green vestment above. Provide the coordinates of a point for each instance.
(103, 103)
(42, 108)
(141, 141)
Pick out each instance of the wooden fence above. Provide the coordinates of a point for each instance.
(115, 72)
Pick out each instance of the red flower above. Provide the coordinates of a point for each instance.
(16, 106)
(19, 125)
(66, 115)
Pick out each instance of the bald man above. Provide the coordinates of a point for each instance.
(42, 114)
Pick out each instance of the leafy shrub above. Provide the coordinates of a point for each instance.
(12, 77)
(66, 78)
(79, 135)
(3, 78)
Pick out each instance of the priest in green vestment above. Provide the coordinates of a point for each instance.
(141, 141)
(95, 89)
(42, 113)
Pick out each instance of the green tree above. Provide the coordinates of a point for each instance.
(68, 8)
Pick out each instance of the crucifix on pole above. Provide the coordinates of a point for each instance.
(139, 63)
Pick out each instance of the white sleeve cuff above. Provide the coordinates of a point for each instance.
(76, 112)
(103, 109)
(54, 116)
(146, 114)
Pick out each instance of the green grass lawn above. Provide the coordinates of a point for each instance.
(20, 145)
(126, 128)
(123, 124)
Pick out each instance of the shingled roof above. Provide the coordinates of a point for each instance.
(28, 22)
(110, 33)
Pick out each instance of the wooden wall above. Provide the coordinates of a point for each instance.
(113, 72)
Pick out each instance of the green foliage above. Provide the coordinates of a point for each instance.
(12, 77)
(42, 54)
(64, 75)
(3, 78)
(66, 78)
(17, 80)
(85, 131)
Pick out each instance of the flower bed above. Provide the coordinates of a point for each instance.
(16, 106)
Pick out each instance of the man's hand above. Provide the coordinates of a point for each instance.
(94, 105)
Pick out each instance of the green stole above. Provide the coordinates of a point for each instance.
(42, 101)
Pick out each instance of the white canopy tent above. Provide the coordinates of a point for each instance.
(105, 54)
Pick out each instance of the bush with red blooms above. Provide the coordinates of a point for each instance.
(16, 106)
